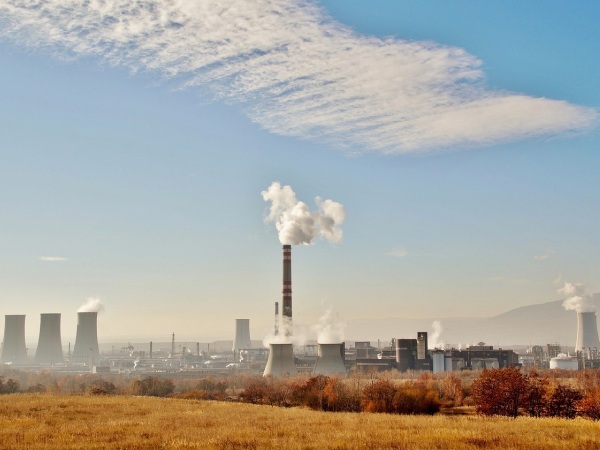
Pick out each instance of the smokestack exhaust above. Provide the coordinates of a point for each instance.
(287, 288)
(14, 349)
(86, 340)
(49, 349)
(276, 319)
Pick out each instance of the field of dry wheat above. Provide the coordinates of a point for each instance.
(43, 421)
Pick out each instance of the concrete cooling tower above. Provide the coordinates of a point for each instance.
(86, 340)
(587, 332)
(281, 361)
(14, 349)
(49, 349)
(242, 335)
(329, 360)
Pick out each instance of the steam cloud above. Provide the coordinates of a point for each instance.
(294, 221)
(434, 340)
(296, 72)
(329, 329)
(578, 299)
(285, 335)
(92, 305)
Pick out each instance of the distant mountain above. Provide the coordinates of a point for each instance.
(534, 324)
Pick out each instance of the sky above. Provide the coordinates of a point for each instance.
(460, 137)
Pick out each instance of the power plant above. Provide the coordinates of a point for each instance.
(49, 349)
(587, 334)
(14, 349)
(86, 340)
(242, 335)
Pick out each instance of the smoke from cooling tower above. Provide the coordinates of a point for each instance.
(92, 305)
(578, 298)
(434, 338)
(329, 328)
(296, 223)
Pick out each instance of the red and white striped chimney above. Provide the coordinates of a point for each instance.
(287, 287)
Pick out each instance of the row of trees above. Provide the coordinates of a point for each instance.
(333, 394)
(510, 392)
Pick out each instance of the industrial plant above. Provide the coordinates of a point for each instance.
(282, 357)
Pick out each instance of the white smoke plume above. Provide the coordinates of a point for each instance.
(434, 339)
(329, 329)
(92, 305)
(285, 335)
(296, 223)
(296, 72)
(578, 299)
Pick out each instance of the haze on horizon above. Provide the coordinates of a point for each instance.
(136, 142)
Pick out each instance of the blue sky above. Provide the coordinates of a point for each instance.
(461, 138)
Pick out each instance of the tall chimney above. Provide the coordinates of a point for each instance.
(86, 340)
(587, 332)
(287, 288)
(49, 349)
(276, 318)
(242, 334)
(14, 349)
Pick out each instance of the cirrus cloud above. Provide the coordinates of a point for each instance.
(296, 72)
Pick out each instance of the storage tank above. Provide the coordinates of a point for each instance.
(438, 361)
(563, 361)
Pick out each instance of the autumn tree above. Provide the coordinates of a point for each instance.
(500, 391)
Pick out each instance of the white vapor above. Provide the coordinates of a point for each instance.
(288, 334)
(329, 329)
(92, 305)
(52, 258)
(578, 298)
(544, 256)
(434, 340)
(296, 72)
(295, 222)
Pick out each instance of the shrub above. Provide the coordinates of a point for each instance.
(153, 386)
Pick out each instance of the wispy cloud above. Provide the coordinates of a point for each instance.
(544, 256)
(52, 258)
(296, 72)
(398, 253)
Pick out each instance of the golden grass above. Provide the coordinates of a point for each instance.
(99, 422)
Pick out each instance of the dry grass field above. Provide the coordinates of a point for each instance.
(40, 421)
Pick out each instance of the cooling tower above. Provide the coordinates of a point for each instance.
(281, 361)
(86, 340)
(329, 360)
(242, 334)
(14, 349)
(287, 288)
(587, 332)
(49, 349)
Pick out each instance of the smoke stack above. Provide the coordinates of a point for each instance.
(329, 360)
(14, 349)
(86, 340)
(49, 349)
(281, 361)
(276, 319)
(587, 332)
(242, 334)
(287, 287)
